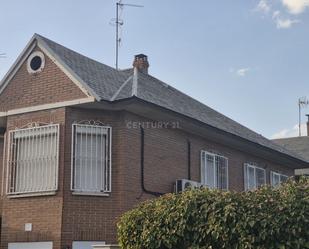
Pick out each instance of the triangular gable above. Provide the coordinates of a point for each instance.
(38, 42)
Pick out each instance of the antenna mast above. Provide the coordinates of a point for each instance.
(119, 23)
(302, 102)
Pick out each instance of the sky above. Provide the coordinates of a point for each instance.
(247, 59)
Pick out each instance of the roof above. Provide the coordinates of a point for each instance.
(109, 84)
(299, 145)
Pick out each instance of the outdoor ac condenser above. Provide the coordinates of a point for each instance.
(183, 184)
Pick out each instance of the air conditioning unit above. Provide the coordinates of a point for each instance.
(184, 184)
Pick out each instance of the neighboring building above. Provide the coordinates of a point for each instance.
(299, 145)
(82, 143)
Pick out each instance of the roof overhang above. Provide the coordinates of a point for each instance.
(193, 126)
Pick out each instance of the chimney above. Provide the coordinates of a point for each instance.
(307, 124)
(141, 63)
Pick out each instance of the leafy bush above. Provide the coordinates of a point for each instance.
(266, 218)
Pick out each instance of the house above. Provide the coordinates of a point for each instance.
(82, 143)
(299, 145)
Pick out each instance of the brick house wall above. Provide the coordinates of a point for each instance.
(49, 86)
(63, 217)
(44, 212)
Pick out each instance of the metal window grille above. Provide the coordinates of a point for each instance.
(277, 178)
(91, 158)
(214, 170)
(254, 176)
(33, 160)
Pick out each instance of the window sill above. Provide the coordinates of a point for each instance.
(90, 193)
(13, 196)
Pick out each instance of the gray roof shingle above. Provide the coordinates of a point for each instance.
(106, 81)
(299, 145)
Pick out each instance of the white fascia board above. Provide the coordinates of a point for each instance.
(47, 106)
(17, 64)
(66, 69)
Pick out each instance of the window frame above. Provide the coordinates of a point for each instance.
(13, 193)
(215, 155)
(246, 181)
(88, 124)
(278, 174)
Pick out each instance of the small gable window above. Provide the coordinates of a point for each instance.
(36, 62)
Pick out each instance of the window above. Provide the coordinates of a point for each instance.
(36, 62)
(254, 176)
(276, 178)
(214, 170)
(33, 160)
(91, 158)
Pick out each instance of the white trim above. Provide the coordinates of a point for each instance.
(135, 82)
(66, 69)
(246, 176)
(120, 88)
(14, 196)
(3, 164)
(90, 193)
(106, 169)
(18, 63)
(10, 166)
(32, 55)
(277, 174)
(215, 168)
(37, 40)
(47, 106)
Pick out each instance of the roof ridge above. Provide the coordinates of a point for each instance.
(71, 50)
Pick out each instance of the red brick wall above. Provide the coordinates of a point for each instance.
(93, 218)
(44, 212)
(49, 86)
(64, 217)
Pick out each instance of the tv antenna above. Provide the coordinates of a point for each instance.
(2, 55)
(118, 22)
(302, 102)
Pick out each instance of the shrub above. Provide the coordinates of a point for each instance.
(266, 218)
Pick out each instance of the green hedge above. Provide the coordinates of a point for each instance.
(263, 219)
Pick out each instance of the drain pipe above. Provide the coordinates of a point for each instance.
(142, 167)
(189, 159)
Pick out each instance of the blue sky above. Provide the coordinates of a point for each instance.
(247, 59)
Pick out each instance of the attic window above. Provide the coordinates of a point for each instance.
(36, 62)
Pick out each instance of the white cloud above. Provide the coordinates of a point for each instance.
(296, 6)
(242, 71)
(263, 6)
(283, 23)
(290, 132)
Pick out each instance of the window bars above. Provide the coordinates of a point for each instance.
(33, 160)
(277, 178)
(254, 176)
(91, 158)
(214, 170)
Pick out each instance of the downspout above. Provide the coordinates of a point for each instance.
(142, 167)
(189, 159)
